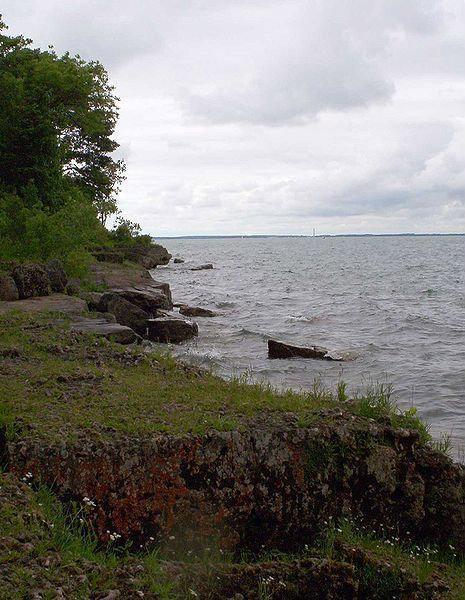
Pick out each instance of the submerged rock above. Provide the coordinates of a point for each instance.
(196, 311)
(205, 267)
(282, 350)
(171, 330)
(31, 280)
(8, 288)
(178, 261)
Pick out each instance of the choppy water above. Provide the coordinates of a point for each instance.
(395, 305)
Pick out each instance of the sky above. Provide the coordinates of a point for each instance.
(277, 117)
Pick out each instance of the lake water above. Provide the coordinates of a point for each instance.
(394, 306)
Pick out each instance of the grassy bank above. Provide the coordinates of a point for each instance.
(59, 381)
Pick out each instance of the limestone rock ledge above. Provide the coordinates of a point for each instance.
(270, 485)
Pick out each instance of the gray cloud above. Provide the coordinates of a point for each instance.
(256, 116)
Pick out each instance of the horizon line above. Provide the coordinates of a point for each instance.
(302, 235)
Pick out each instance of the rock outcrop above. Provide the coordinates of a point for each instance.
(196, 311)
(129, 314)
(271, 485)
(282, 350)
(8, 288)
(31, 280)
(147, 256)
(147, 300)
(171, 330)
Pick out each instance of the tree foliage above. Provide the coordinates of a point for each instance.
(57, 118)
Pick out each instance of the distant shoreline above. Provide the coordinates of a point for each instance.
(328, 235)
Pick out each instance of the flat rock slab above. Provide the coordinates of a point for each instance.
(282, 350)
(69, 305)
(112, 331)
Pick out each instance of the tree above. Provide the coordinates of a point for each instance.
(57, 118)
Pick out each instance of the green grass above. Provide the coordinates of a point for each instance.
(420, 562)
(62, 382)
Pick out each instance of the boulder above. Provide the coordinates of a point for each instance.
(31, 280)
(203, 267)
(148, 301)
(57, 275)
(128, 314)
(112, 331)
(196, 311)
(178, 261)
(8, 288)
(171, 330)
(283, 350)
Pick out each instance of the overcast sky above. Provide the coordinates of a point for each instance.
(278, 116)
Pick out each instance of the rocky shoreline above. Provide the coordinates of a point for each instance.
(160, 456)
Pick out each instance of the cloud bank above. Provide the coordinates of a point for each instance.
(271, 116)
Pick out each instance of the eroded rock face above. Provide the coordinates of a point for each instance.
(31, 280)
(128, 314)
(57, 275)
(269, 485)
(149, 257)
(171, 330)
(8, 289)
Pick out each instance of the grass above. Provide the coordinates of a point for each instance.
(420, 562)
(61, 381)
(47, 547)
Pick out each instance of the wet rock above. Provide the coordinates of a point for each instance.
(196, 311)
(128, 314)
(149, 300)
(57, 275)
(112, 331)
(178, 261)
(282, 350)
(203, 267)
(8, 288)
(31, 280)
(171, 330)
